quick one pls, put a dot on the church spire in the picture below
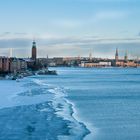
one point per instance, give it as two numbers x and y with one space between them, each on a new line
126 57
117 55
90 56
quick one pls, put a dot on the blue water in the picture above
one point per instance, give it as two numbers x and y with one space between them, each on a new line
106 100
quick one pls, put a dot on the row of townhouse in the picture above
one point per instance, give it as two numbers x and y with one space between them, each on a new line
12 65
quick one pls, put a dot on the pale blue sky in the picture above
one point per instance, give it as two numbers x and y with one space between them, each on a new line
70 27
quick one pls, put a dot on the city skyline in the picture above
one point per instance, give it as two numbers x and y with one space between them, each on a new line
121 54
70 28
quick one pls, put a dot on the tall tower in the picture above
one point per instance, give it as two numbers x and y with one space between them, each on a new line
126 57
34 51
116 56
90 56
11 52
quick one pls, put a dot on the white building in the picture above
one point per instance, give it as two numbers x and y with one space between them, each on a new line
17 65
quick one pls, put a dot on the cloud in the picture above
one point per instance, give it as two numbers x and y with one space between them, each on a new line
5 34
70 46
79 41
84 21
20 33
110 15
14 43
55 40
66 23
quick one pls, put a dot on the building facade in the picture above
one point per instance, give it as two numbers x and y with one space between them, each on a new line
98 64
4 65
17 65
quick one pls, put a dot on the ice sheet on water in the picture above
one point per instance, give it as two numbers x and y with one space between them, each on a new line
38 110
65 110
37 122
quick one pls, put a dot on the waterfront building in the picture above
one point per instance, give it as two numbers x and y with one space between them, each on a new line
105 64
119 63
124 62
130 64
95 64
82 64
23 64
17 65
30 63
4 64
43 62
72 61
34 63
58 61
52 64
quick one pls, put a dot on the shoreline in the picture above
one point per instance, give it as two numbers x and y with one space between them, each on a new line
32 114
65 109
75 116
27 73
21 75
92 131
